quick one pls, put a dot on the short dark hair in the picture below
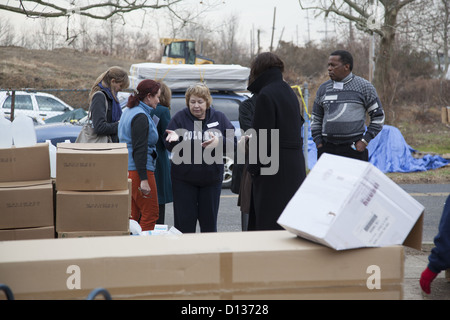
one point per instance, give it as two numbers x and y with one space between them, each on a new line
263 62
346 57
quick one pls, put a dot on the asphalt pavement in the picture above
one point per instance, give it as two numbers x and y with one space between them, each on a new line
432 197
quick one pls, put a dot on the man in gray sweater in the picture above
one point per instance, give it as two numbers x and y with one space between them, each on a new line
340 108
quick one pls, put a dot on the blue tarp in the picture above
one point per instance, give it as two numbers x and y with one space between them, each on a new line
389 152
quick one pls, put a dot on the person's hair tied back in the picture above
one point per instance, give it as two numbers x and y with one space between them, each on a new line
144 88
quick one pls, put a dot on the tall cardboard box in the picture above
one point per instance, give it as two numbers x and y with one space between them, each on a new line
260 265
26 204
25 164
91 166
345 203
92 210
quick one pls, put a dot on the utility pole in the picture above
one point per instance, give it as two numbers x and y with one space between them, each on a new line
307 21
281 36
273 28
259 41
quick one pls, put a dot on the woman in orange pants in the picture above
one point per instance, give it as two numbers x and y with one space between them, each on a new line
144 208
138 130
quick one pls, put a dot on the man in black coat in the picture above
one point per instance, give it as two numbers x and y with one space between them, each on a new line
280 166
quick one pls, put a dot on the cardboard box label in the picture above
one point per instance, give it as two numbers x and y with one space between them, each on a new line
373 225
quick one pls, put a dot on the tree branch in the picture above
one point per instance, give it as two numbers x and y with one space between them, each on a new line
51 10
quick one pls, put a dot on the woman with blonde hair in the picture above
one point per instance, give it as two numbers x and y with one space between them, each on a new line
104 92
197 181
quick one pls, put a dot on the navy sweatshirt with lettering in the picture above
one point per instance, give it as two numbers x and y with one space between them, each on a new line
191 162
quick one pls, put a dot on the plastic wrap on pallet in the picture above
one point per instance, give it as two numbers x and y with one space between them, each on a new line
179 77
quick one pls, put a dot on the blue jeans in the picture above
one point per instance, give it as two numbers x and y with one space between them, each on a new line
192 203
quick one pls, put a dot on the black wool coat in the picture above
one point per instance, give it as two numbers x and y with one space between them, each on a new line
277 107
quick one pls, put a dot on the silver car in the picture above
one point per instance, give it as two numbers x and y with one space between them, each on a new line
37 105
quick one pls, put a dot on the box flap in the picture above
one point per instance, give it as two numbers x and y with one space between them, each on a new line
414 238
21 184
91 146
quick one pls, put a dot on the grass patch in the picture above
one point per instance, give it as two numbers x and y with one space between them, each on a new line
440 176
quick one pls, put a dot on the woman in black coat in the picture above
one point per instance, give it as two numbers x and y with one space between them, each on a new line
280 168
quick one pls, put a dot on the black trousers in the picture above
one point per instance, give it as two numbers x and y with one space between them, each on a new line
193 203
344 150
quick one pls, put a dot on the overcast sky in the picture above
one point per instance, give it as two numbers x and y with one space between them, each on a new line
260 13
291 23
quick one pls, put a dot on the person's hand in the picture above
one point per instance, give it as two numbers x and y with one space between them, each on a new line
360 146
172 136
425 280
212 142
145 189
242 142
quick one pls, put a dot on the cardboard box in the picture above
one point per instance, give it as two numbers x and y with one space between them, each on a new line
232 265
91 166
25 164
26 204
92 211
28 233
345 203
86 234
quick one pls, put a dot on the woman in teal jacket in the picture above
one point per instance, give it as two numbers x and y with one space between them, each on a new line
138 130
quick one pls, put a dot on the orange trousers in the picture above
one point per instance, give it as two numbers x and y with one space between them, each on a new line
144 210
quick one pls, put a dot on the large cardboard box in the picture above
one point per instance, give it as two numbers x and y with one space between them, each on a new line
26 204
92 211
233 265
28 233
25 164
91 166
345 203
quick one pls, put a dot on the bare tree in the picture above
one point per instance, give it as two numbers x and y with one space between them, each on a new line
6 33
374 17
100 9
47 36
427 25
228 41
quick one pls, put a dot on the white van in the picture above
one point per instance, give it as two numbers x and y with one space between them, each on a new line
37 105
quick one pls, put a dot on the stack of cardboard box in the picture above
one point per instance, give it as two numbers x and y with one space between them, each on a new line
92 190
26 193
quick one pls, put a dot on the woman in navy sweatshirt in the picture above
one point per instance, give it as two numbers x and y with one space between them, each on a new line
439 258
198 136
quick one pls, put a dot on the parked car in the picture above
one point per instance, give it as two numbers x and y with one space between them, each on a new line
226 102
37 105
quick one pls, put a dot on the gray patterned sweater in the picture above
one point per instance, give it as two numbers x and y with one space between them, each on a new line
340 109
